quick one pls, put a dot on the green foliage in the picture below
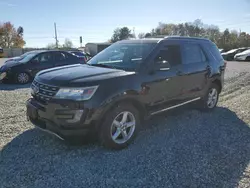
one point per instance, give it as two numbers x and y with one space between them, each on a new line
121 34
226 39
67 44
10 36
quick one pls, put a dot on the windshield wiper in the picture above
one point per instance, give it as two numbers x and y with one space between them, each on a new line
102 65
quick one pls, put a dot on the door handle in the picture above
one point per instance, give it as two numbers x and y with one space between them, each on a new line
179 73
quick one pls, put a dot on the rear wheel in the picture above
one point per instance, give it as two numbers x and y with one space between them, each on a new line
120 127
210 100
22 78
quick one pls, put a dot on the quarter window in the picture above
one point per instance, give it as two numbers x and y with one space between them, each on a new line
59 56
193 54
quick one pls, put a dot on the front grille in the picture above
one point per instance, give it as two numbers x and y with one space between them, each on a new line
43 92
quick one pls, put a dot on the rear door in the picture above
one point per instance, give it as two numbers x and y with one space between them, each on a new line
60 59
194 70
40 62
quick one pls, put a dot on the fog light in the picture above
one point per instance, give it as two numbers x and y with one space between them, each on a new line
77 117
3 75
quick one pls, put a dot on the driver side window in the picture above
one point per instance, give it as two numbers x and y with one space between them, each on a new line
170 54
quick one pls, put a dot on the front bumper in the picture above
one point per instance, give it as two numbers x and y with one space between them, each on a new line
61 119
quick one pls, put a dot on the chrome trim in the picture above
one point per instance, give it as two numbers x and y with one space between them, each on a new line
50 132
47 96
44 89
175 106
164 69
47 84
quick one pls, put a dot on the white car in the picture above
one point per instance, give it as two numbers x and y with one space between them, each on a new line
243 56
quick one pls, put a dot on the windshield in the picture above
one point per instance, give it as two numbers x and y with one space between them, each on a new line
28 57
126 56
233 50
245 51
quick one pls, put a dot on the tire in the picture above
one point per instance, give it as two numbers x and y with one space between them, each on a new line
210 100
248 58
22 78
113 131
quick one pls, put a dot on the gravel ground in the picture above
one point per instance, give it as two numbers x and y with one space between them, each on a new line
183 148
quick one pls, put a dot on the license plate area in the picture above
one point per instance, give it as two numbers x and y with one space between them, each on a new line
32 112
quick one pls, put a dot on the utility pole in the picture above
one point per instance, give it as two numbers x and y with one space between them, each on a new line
56 35
134 32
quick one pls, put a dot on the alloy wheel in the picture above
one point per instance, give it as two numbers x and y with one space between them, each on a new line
123 127
212 98
23 78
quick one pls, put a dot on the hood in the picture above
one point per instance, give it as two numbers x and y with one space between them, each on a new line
11 63
78 75
13 59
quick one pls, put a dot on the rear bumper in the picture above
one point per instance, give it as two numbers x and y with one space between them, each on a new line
64 122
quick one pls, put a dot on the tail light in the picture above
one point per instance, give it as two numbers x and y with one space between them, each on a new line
82 60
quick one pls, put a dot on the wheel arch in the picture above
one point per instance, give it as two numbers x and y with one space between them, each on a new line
128 100
218 83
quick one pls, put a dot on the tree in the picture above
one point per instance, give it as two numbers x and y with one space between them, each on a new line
67 43
10 37
51 46
121 34
141 35
147 35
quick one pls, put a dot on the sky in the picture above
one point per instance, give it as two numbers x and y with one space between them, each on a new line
95 20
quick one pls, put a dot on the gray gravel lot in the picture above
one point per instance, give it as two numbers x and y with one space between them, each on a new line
2 60
182 148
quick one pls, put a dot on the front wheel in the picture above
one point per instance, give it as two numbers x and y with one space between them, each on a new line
22 78
120 127
210 100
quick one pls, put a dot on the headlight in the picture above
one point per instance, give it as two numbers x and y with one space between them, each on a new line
3 68
78 94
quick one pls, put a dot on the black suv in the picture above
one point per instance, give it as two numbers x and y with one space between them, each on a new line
112 96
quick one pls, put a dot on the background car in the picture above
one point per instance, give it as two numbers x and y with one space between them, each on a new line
81 55
24 70
17 58
221 50
229 56
243 56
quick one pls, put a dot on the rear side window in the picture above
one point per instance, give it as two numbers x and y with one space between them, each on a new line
215 52
193 54
59 56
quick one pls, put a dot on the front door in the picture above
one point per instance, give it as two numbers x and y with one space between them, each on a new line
163 88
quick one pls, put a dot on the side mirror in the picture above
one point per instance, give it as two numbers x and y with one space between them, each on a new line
34 61
161 65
